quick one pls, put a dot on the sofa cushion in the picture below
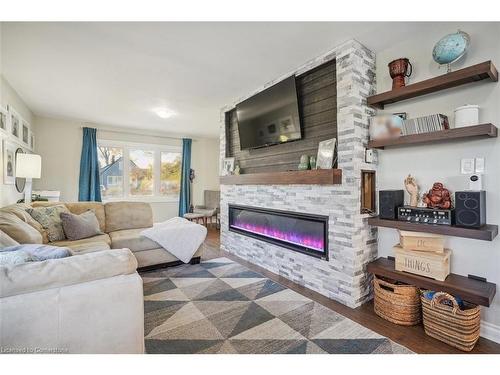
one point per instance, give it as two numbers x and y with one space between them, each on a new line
131 239
18 230
80 207
77 227
127 215
88 247
50 218
57 273
99 238
19 209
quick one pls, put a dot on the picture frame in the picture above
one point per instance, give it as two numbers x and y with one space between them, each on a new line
25 130
9 163
227 166
326 154
385 126
15 123
4 121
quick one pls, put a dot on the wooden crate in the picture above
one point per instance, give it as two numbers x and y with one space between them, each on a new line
433 265
421 241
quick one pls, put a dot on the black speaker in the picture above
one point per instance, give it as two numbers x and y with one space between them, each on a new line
388 203
470 208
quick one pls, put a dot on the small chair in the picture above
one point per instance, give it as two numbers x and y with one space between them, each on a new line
210 207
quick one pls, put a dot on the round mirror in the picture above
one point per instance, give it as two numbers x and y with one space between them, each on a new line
20 181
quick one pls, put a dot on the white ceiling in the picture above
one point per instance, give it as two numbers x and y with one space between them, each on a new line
117 73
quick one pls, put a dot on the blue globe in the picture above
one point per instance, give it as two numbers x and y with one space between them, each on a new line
451 47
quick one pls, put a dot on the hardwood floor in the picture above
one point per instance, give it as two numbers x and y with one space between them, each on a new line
413 338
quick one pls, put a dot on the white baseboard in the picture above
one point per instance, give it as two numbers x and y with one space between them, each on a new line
490 331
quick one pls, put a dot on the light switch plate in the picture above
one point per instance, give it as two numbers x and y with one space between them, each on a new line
467 166
479 165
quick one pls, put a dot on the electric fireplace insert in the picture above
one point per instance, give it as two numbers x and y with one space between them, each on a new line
305 233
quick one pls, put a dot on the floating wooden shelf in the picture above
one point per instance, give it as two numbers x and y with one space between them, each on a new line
472 290
487 232
310 177
478 72
465 133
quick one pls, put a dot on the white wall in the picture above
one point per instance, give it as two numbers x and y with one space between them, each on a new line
441 162
8 96
59 142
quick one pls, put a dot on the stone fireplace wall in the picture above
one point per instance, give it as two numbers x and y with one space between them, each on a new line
352 243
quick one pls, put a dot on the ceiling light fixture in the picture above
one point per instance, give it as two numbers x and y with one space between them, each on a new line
163 112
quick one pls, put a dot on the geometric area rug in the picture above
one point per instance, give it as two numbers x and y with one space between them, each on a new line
219 306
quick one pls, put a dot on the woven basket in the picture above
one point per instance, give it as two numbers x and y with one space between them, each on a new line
450 324
399 304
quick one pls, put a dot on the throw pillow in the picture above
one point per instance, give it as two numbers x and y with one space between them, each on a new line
80 226
6 241
17 229
19 209
50 219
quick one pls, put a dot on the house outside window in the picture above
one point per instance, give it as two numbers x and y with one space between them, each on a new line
135 171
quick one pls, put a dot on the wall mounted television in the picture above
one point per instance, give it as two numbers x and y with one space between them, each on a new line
270 117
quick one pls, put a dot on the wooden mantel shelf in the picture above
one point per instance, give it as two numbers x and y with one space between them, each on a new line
478 72
469 289
309 177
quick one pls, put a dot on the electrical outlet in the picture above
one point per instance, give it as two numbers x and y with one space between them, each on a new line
479 165
369 155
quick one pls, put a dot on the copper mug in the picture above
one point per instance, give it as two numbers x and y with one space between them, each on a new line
398 69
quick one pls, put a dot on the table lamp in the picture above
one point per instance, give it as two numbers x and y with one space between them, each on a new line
28 166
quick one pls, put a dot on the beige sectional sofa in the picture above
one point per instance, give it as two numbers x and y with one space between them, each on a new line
121 223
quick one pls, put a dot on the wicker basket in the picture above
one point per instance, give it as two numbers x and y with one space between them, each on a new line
450 324
399 304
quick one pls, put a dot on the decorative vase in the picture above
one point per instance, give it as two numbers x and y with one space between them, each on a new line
304 163
312 162
398 69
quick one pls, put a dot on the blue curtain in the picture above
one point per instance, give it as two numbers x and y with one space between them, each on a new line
184 198
89 186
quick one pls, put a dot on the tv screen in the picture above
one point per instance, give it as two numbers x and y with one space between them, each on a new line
269 117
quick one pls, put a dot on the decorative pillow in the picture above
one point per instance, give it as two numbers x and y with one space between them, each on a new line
19 209
17 229
80 226
6 241
14 257
50 219
39 252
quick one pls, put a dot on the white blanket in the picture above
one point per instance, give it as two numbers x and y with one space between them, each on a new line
178 236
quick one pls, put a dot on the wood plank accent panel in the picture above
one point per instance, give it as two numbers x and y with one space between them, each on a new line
311 177
463 134
486 233
478 72
471 290
317 98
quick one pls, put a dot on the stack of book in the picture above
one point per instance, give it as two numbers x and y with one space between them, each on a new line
425 124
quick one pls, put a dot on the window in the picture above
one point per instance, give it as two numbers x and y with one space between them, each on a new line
139 171
170 174
110 171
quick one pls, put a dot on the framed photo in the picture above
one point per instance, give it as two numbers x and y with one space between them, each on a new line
15 123
326 154
385 126
227 166
9 163
25 133
4 120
